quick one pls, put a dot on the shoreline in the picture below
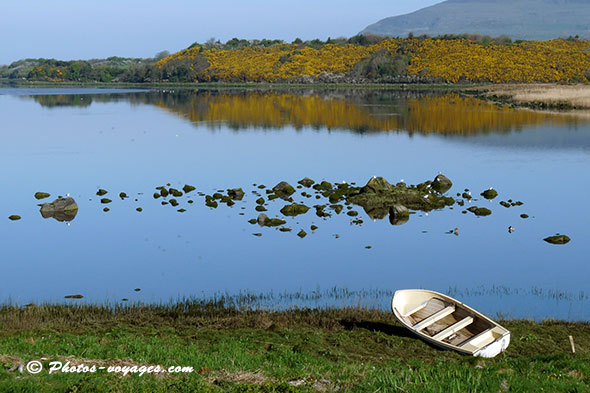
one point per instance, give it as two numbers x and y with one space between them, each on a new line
307 350
536 96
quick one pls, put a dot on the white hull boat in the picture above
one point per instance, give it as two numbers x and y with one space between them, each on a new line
448 323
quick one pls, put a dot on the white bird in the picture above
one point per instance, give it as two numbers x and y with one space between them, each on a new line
402 180
510 229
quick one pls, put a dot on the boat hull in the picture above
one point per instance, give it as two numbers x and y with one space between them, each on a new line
449 324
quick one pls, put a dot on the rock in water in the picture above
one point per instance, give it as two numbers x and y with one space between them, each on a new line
61 209
377 185
41 195
490 194
306 182
294 209
480 211
557 239
236 194
283 189
441 183
398 215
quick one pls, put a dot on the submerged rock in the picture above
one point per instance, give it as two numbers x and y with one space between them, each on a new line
61 209
41 195
441 183
557 239
294 209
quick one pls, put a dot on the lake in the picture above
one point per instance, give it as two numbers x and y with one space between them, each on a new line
77 141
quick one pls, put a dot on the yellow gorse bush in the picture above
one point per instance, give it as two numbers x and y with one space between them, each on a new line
530 61
562 61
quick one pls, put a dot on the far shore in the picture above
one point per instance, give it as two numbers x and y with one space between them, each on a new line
544 96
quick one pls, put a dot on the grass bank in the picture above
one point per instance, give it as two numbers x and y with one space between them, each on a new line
350 349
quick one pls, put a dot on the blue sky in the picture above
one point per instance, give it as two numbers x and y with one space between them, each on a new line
84 29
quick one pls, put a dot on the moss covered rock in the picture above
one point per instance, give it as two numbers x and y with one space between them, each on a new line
41 195
188 188
306 182
480 211
490 193
558 239
14 217
441 183
294 209
101 192
237 194
283 189
61 209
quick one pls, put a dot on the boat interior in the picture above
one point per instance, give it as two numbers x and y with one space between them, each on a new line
451 324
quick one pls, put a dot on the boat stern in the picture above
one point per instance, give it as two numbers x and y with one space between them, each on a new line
494 348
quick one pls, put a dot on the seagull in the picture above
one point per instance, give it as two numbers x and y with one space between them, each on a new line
402 180
510 229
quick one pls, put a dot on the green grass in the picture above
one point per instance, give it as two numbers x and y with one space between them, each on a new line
352 349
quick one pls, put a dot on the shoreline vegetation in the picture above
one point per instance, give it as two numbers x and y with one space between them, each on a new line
363 59
350 349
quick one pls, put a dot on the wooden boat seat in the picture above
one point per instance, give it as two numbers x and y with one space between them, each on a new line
482 339
434 317
453 328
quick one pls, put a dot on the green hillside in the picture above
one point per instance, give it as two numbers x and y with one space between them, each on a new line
519 19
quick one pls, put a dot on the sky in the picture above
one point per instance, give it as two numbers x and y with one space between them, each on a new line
85 29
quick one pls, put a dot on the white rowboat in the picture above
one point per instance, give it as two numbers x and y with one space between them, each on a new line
448 323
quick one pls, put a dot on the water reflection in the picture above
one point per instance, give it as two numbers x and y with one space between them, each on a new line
357 110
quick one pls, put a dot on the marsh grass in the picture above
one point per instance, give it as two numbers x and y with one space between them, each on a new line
355 349
543 95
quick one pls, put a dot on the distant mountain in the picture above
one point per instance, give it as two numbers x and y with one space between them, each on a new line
519 19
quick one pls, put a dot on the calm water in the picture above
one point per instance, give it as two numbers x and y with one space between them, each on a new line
76 141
